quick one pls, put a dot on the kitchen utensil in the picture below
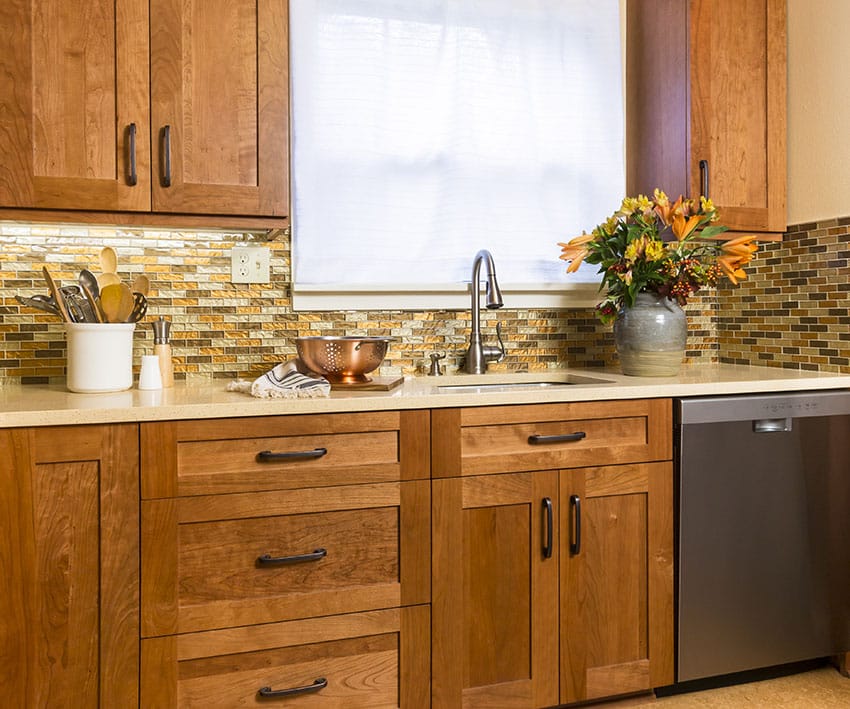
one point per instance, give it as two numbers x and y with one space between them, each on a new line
342 359
108 260
93 300
141 284
57 296
108 279
47 305
117 302
108 267
140 307
89 280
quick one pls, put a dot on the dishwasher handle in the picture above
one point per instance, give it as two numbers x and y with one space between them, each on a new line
772 425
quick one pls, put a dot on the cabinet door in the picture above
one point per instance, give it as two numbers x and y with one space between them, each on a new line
73 93
69 567
494 592
738 110
219 105
712 92
616 580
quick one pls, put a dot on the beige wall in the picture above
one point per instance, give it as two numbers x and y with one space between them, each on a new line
818 110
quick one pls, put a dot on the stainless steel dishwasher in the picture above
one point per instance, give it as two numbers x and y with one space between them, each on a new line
763 530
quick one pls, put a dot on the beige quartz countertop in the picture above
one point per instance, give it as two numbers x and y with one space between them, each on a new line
50 405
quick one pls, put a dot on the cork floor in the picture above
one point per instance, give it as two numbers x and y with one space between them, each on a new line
822 688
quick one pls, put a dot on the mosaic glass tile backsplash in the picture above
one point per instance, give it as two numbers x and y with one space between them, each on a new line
792 311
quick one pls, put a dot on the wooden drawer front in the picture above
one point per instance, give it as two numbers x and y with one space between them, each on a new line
377 659
525 438
210 467
217 561
201 556
186 458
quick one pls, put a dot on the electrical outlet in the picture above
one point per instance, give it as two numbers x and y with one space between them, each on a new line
249 264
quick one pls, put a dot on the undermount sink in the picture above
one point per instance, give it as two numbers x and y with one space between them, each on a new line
568 380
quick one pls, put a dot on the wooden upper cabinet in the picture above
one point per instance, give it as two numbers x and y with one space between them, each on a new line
219 104
706 105
80 83
73 80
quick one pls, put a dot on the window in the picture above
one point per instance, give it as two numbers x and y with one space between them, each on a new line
425 130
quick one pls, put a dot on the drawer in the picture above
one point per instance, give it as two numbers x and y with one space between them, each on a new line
229 560
212 456
377 659
501 439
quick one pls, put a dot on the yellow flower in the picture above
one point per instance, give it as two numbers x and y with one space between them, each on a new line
655 250
634 250
629 206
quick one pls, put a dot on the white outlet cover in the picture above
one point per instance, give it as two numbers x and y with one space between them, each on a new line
250 264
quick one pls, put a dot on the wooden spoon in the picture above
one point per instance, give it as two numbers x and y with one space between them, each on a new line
57 296
116 301
108 260
141 284
108 267
107 279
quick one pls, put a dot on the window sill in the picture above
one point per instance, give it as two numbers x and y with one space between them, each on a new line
553 296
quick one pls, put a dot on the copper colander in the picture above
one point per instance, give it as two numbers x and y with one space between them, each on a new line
345 360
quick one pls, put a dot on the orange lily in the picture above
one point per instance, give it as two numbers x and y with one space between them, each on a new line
682 228
731 268
574 251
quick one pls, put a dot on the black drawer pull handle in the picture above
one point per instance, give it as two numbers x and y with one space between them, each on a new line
703 177
550 528
269 560
575 544
132 177
166 156
269 693
537 440
269 457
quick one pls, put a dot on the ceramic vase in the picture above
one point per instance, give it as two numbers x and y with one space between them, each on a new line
651 336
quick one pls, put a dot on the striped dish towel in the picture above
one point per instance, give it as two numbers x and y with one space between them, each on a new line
284 381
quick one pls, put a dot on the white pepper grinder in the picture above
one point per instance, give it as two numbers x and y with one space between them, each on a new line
162 349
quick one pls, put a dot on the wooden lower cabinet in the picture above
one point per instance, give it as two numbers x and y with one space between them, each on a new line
551 586
286 559
616 556
69 566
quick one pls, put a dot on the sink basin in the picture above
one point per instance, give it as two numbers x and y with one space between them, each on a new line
568 380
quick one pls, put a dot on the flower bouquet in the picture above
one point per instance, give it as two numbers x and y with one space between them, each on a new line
655 246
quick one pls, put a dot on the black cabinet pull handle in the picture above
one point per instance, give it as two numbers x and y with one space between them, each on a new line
269 560
166 156
575 506
132 177
703 177
269 693
550 528
269 457
537 439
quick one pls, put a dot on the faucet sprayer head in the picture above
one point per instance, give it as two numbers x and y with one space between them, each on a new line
494 294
